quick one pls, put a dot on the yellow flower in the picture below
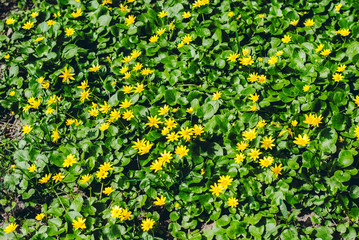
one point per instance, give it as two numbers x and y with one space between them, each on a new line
104 126
245 61
250 134
26 129
153 121
319 48
302 141
10 21
225 181
130 19
189 110
124 8
325 52
147 224
28 25
216 189
85 178
126 59
338 7
116 211
40 216
146 72
7 56
128 115
45 179
254 97
232 57
185 133
156 165
279 53
161 31
337 77
294 22
267 142
344 32
181 151
84 95
66 75
13 167
79 223
187 39
286 39
78 13
162 14
216 95
51 22
127 89
58 177
12 93
135 54
32 168
69 161
277 169
341 68
153 39
230 14
273 60
34 14
239 158
266 161
163 110
108 191
186 15
105 167
39 39
197 129
306 88
261 123
254 153
309 23
10 228
294 123
242 146
160 201
94 68
172 137
101 174
69 31
232 202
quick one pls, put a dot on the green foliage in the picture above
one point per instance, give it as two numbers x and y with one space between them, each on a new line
181 120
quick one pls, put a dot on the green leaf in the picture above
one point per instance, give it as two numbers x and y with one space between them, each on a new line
328 138
69 51
345 159
171 96
354 192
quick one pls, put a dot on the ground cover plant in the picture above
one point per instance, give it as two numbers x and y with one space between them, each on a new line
180 120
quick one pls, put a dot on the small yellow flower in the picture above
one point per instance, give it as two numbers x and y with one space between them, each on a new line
10 228
306 88
28 25
325 52
189 110
58 177
39 39
162 14
147 224
230 14
51 22
94 68
338 7
40 216
69 31
12 93
216 95
160 201
294 22
26 129
153 39
79 223
186 15
286 39
130 19
32 168
10 21
273 60
309 23
7 56
108 191
187 39
34 14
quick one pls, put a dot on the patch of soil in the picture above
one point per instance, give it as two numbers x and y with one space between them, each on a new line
10 127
